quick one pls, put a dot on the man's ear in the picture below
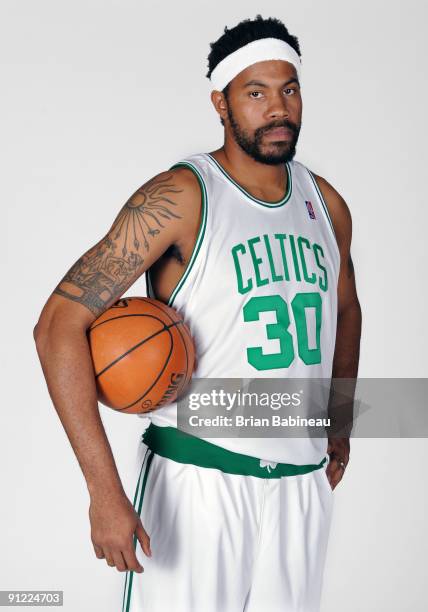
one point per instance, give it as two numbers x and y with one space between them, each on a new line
220 103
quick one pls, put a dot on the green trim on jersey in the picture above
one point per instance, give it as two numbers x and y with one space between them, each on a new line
324 205
182 447
200 236
138 503
280 202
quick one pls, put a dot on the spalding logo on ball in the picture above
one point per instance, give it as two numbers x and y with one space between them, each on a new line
143 355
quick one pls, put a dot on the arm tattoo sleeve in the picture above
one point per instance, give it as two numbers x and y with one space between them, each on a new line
104 272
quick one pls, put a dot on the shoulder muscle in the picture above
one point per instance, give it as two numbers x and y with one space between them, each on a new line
154 217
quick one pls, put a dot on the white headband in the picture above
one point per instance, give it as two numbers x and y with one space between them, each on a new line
256 51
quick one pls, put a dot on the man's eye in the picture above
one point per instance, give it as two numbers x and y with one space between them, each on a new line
254 92
290 89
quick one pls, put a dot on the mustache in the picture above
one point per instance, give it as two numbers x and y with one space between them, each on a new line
285 124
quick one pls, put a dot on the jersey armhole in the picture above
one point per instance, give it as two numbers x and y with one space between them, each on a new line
149 288
199 238
323 205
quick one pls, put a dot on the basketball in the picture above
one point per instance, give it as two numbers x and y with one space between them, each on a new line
143 355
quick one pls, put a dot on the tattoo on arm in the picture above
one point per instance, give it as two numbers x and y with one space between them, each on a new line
350 267
105 271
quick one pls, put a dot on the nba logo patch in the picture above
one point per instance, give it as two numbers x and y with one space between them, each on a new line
310 209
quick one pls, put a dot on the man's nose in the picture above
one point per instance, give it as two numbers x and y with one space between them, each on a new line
278 107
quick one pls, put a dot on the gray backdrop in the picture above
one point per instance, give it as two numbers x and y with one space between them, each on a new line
96 98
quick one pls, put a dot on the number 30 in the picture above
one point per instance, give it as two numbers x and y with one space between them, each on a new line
279 330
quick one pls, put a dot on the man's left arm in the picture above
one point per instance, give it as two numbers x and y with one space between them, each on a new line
347 348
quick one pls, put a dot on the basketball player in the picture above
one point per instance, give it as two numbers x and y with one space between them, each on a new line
224 237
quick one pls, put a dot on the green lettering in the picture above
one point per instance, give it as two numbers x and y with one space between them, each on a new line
281 238
241 288
300 241
295 260
256 262
323 283
275 276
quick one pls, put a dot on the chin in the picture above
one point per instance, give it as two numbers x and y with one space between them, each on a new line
276 157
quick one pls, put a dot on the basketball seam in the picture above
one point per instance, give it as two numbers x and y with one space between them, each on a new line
133 348
187 377
135 314
154 382
165 328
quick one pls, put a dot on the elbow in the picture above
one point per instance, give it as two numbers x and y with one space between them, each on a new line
56 326
40 329
40 337
36 332
44 329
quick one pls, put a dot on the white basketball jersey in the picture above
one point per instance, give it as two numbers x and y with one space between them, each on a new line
259 293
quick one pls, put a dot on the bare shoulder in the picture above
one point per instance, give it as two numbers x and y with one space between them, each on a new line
157 215
190 201
160 212
186 180
177 185
338 210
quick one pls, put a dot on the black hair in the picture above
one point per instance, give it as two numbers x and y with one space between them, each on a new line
243 33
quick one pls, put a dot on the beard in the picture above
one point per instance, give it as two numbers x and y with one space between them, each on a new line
283 150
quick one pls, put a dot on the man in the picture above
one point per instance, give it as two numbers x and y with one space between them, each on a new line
224 237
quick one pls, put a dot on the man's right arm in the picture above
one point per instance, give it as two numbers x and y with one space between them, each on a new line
156 216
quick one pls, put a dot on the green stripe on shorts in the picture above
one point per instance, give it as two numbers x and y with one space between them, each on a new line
138 503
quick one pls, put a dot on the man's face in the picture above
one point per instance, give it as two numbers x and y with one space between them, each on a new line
261 98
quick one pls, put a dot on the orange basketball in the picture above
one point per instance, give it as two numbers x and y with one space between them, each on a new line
143 355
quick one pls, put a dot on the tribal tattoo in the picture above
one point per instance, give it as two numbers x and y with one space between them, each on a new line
106 270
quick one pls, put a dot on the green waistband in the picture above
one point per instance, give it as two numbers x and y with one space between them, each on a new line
179 446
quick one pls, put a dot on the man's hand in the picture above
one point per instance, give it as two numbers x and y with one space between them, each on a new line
338 449
113 524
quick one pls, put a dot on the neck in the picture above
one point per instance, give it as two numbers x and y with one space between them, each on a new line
255 176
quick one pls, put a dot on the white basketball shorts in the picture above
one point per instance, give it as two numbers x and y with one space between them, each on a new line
228 542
